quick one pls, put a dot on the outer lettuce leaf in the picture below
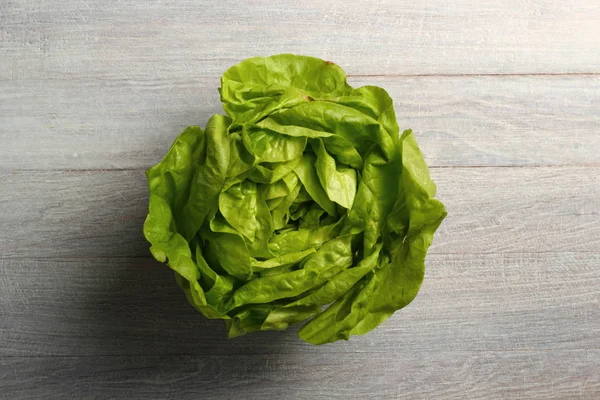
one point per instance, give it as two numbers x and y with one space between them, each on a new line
257 87
303 204
396 283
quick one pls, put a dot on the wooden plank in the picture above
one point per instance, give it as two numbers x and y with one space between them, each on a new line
402 373
173 39
514 210
470 121
492 210
470 303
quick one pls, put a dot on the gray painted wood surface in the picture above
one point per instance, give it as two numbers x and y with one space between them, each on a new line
459 121
504 98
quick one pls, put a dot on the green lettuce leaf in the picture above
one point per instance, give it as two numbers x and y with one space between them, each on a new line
303 205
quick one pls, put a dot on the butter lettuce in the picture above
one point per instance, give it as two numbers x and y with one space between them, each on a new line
304 204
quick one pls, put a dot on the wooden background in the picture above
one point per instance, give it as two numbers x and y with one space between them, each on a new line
504 97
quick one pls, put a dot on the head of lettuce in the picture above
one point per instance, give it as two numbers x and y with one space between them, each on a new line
303 205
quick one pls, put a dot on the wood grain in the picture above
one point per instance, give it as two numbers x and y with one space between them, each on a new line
504 98
492 210
473 121
491 302
136 40
402 373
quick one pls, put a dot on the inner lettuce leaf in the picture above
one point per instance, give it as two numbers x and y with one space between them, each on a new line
304 204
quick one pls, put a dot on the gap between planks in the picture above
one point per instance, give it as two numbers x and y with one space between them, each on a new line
149 258
226 354
417 75
477 75
142 169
